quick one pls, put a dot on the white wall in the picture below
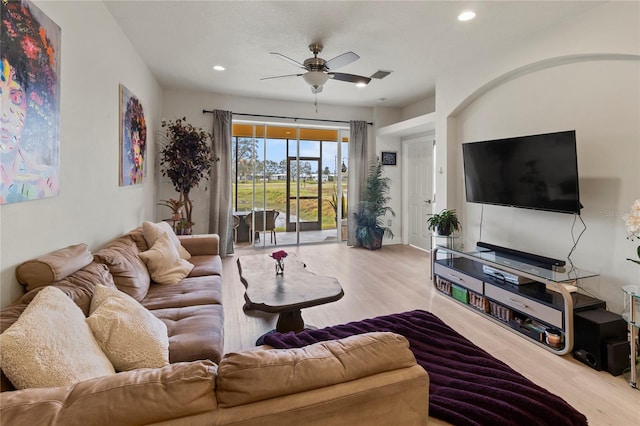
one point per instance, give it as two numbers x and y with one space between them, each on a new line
571 77
91 207
177 104
425 106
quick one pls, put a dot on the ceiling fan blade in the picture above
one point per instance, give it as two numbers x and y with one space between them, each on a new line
341 60
288 59
281 76
351 78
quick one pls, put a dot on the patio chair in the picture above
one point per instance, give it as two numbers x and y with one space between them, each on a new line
236 224
269 224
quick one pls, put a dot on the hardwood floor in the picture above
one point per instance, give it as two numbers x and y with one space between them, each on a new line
395 279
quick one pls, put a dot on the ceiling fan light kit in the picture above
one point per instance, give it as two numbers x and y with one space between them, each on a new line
315 78
320 70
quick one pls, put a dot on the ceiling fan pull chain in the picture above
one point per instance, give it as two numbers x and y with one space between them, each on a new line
315 102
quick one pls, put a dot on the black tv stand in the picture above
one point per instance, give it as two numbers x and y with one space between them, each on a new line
544 305
540 261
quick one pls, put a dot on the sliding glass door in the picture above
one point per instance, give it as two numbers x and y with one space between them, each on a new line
289 183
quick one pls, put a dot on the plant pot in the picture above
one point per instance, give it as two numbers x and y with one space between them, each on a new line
176 216
375 242
444 231
343 229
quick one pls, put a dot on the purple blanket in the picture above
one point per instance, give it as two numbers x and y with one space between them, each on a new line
467 385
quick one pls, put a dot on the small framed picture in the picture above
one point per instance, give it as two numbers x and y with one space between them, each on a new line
388 158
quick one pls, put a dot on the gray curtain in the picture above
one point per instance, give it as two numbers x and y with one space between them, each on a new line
220 213
358 167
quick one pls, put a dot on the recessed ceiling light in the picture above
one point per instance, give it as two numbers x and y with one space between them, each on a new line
467 15
218 68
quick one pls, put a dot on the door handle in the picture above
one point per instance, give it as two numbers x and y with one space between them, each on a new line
427 201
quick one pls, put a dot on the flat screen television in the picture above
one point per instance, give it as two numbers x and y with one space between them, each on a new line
534 172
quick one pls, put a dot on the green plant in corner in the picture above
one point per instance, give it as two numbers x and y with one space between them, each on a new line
174 205
369 218
186 159
444 223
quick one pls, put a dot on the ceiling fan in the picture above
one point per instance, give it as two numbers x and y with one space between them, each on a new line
318 70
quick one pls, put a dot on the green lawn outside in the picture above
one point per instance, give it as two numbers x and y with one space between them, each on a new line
276 199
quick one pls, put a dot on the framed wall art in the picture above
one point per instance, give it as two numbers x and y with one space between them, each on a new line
30 78
133 139
388 158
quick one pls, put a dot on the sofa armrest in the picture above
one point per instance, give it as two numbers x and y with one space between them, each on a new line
129 398
260 373
199 245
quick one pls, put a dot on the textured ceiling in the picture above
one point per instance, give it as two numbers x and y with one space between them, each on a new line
418 40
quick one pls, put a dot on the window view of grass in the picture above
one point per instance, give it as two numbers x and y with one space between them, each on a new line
276 198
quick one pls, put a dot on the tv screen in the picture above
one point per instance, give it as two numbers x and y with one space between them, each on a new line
535 172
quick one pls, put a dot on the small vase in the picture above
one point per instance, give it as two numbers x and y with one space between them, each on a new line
279 267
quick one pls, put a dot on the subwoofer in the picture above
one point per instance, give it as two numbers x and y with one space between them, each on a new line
593 329
618 356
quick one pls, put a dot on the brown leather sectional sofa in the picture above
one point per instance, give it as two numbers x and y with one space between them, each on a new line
368 379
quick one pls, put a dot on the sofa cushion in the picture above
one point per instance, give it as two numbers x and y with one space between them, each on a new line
259 374
147 396
53 266
164 262
153 231
190 292
205 265
195 332
129 271
201 244
127 333
51 345
79 286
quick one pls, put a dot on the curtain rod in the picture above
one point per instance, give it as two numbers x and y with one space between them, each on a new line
204 111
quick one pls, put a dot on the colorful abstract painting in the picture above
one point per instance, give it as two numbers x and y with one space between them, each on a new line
133 139
29 103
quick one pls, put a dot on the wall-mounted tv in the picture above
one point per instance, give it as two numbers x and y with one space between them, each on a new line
534 172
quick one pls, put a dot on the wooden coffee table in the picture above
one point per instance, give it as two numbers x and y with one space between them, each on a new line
284 294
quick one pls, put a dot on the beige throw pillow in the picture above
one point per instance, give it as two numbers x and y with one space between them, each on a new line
51 345
152 231
130 335
164 263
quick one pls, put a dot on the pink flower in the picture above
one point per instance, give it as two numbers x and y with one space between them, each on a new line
279 255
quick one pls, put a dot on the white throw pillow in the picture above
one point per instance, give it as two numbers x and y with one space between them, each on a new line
51 345
153 231
164 263
130 335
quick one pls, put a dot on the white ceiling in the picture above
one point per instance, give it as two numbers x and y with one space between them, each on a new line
418 40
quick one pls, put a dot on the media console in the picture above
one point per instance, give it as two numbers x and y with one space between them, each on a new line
541 310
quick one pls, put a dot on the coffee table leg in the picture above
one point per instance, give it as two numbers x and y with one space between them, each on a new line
290 321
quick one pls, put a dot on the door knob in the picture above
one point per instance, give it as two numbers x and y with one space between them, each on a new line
427 201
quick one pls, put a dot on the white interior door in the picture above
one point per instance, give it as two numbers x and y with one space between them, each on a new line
420 191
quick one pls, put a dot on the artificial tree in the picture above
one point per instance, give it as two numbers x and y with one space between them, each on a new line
186 159
369 218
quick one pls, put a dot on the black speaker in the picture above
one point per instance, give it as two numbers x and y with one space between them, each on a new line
592 330
618 356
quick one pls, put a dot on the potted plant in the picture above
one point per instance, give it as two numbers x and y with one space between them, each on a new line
186 159
175 206
369 223
444 223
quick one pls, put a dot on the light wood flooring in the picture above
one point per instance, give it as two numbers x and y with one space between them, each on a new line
396 279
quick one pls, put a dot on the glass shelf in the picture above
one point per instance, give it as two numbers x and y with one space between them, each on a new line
557 274
630 314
